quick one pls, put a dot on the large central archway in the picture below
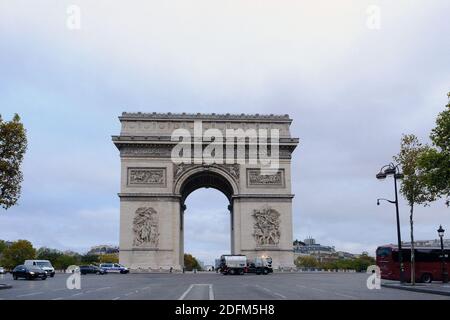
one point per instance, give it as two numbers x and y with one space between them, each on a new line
198 178
154 189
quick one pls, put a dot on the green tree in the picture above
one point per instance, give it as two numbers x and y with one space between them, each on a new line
190 262
435 162
110 257
2 246
13 144
65 260
89 259
413 188
306 262
363 262
17 253
45 253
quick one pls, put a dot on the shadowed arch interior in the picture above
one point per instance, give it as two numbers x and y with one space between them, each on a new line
206 179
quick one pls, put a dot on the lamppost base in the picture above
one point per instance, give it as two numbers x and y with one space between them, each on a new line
445 277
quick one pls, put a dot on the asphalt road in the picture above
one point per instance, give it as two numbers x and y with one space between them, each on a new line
206 286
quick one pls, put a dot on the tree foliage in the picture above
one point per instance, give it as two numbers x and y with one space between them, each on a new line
413 187
65 260
90 259
190 262
108 258
45 253
13 144
2 246
359 264
307 262
17 253
435 162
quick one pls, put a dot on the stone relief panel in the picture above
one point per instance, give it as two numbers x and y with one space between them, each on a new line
232 169
266 227
145 227
257 178
147 177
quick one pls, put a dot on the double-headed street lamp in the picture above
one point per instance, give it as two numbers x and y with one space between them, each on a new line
444 268
393 170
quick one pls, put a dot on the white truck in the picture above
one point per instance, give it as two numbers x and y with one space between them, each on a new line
43 264
233 264
260 265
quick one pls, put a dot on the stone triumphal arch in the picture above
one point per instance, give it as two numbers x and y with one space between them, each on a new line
154 187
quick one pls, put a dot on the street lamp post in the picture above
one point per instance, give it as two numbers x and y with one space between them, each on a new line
393 170
444 269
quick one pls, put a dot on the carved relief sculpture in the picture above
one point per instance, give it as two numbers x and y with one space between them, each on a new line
145 227
142 176
266 227
232 169
256 178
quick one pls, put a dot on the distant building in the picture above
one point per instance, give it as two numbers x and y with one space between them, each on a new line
428 243
208 267
310 241
104 249
309 247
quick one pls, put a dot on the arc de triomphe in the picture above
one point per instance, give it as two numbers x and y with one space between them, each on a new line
154 188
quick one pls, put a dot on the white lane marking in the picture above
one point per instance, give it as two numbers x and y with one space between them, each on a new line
60 289
211 292
59 298
116 298
186 292
28 294
128 294
335 293
345 295
280 295
77 294
104 288
271 292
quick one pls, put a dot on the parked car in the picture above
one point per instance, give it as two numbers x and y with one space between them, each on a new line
43 264
2 270
92 269
114 267
28 272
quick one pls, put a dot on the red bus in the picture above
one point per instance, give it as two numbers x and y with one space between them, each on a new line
428 263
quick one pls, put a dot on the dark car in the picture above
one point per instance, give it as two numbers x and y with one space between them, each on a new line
28 272
92 269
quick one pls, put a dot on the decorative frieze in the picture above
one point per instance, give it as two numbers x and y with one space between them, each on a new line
150 151
232 169
256 177
147 177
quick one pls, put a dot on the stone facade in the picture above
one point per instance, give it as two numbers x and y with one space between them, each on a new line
153 190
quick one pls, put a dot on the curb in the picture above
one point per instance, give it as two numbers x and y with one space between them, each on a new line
416 289
5 286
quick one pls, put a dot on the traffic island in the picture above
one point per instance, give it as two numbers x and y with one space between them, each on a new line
5 286
433 288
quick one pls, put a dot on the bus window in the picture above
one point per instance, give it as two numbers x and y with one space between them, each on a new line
384 252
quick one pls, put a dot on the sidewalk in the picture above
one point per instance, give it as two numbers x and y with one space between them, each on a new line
433 288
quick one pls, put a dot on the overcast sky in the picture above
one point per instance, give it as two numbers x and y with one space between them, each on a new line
350 89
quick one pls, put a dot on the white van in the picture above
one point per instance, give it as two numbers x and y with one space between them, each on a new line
43 264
